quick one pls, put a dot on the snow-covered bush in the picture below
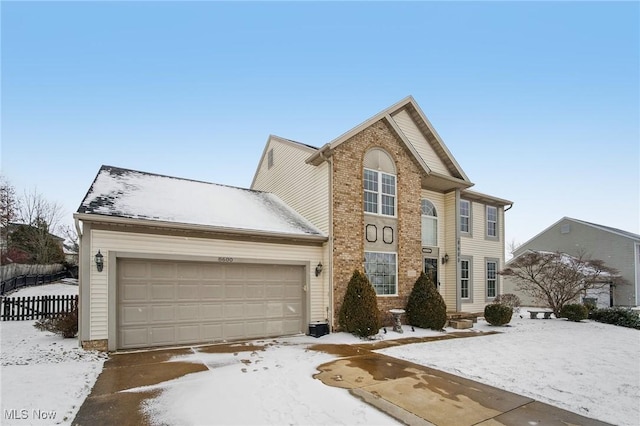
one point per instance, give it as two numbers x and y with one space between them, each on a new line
359 313
426 307
574 312
497 314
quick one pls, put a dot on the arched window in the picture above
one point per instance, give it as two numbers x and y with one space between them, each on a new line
429 224
379 183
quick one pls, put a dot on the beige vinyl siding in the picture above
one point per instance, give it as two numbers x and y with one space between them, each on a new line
480 250
419 142
449 284
187 248
304 187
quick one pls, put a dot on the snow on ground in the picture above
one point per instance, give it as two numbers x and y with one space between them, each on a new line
270 387
589 368
44 378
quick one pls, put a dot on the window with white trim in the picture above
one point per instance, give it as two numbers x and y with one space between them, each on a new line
379 193
382 270
492 279
492 222
465 216
465 279
429 223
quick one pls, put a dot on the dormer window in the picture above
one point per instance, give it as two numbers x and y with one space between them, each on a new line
379 183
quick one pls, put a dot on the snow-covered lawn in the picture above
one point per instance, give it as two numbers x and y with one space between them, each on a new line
588 368
44 377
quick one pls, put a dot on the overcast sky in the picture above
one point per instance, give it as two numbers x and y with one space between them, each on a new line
539 102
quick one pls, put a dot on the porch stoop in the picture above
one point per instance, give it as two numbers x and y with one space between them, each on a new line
462 320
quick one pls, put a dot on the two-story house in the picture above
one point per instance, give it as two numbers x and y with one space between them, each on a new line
393 202
168 261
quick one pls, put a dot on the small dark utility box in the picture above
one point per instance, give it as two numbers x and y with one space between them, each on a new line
318 329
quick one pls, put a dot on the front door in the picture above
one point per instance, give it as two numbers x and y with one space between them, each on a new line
430 266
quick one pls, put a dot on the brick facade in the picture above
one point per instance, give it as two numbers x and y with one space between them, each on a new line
349 218
95 345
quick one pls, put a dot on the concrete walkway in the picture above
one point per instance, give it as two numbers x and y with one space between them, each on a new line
411 393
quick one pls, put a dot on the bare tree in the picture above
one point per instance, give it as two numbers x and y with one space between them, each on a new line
8 212
38 220
557 278
34 209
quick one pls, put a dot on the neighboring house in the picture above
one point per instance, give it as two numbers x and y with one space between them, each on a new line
617 248
194 262
393 202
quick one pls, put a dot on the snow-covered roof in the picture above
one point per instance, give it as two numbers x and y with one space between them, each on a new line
132 194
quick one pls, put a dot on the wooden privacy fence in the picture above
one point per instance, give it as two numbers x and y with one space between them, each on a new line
29 280
36 307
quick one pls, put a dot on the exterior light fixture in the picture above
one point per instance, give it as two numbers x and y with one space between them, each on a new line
445 259
99 261
318 268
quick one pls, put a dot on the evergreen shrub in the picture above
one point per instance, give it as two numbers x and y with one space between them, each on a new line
574 312
359 311
425 307
617 316
497 314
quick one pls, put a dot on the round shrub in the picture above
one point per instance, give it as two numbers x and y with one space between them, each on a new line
574 312
359 311
425 307
497 314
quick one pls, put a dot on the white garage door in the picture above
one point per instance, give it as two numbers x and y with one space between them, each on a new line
167 303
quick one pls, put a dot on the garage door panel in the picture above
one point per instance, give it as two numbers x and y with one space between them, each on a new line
255 310
134 314
162 313
234 290
163 291
255 291
171 302
233 310
133 269
212 290
135 292
134 337
188 313
188 291
162 270
211 312
188 270
162 335
187 333
292 309
211 332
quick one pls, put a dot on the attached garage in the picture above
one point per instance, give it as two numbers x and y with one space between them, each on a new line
183 262
168 303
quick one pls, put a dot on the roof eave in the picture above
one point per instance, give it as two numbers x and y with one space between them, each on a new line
118 220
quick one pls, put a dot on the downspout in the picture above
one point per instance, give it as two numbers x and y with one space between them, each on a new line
330 163
458 253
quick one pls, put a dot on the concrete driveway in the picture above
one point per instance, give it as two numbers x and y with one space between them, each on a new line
411 393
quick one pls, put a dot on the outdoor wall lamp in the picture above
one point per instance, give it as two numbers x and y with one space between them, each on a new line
445 259
99 261
318 268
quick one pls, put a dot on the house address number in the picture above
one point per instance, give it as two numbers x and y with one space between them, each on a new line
225 259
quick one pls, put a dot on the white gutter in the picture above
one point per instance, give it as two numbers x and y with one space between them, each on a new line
97 218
